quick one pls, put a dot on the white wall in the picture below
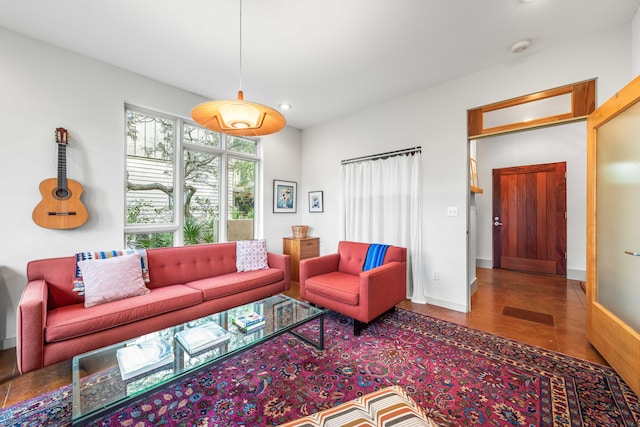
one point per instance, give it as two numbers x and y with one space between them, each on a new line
635 41
563 143
281 157
44 87
436 119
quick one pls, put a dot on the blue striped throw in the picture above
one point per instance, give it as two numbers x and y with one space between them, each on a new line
375 256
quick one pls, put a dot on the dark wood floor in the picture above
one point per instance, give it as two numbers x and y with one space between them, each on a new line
545 311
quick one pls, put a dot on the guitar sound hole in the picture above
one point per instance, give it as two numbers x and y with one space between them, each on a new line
61 193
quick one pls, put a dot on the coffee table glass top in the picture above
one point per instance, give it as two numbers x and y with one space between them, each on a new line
106 378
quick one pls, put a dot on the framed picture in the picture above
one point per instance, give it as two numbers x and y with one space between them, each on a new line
473 172
285 196
316 204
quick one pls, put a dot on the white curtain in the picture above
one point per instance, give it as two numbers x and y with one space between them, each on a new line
381 204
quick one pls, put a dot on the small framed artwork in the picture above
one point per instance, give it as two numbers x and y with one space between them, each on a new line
284 196
316 204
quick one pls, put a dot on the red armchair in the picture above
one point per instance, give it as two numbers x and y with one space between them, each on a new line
337 282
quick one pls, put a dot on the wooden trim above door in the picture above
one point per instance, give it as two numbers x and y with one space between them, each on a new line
583 102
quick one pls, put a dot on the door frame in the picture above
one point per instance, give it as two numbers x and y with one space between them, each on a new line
583 103
616 341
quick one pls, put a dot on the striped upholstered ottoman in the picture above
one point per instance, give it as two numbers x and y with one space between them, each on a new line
387 407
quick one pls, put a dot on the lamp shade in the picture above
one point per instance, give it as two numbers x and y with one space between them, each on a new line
238 117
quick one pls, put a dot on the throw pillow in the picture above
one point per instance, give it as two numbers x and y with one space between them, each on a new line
112 279
251 255
78 284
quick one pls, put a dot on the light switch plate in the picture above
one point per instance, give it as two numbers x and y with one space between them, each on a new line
452 211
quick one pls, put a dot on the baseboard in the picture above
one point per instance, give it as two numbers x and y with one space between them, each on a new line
473 287
580 275
447 304
9 343
572 274
484 263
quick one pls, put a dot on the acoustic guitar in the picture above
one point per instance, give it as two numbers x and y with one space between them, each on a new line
60 207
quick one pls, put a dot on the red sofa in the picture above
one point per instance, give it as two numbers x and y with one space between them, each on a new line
186 283
338 282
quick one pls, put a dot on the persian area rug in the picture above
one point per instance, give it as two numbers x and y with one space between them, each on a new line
460 376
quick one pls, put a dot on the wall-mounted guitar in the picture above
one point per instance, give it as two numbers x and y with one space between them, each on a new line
60 207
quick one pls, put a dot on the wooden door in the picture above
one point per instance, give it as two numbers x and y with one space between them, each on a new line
529 218
613 232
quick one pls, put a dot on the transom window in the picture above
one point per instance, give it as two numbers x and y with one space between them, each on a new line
186 184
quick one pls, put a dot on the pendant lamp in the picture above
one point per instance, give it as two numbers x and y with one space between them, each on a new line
236 116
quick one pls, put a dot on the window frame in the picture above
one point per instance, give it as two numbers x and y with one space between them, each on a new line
180 147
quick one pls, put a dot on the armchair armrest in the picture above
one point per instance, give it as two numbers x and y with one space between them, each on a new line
379 287
32 319
282 262
316 266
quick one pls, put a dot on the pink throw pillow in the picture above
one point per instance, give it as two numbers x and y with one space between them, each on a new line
251 255
112 279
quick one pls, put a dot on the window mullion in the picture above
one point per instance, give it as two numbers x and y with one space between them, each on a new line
224 195
178 184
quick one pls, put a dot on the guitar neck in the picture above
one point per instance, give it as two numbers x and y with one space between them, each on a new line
62 166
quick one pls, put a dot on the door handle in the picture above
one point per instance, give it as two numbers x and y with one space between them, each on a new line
632 253
497 223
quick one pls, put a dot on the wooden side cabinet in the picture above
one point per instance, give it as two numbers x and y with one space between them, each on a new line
300 249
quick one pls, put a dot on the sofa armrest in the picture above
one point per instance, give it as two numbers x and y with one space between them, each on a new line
32 319
316 266
380 286
282 262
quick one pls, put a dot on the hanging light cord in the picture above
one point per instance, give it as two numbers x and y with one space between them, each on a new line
241 45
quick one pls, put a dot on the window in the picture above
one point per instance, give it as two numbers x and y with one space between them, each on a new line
560 105
240 191
175 186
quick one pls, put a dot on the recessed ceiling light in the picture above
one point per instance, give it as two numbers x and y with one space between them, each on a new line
285 107
519 46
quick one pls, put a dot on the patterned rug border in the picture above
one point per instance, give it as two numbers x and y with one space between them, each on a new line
620 389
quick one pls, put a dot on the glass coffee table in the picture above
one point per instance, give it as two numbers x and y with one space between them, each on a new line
107 378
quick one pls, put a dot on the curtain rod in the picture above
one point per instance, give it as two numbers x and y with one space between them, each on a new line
411 150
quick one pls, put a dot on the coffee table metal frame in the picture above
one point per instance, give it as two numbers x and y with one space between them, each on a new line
90 370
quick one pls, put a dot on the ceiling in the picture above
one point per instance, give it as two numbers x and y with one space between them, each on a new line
327 58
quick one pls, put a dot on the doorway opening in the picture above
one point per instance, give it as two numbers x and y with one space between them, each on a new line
539 141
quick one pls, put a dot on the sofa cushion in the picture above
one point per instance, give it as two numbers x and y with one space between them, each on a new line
111 279
338 286
352 256
251 255
235 283
75 320
185 264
